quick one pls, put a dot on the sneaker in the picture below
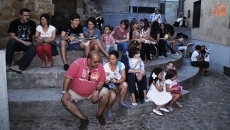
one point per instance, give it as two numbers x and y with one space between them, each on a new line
16 69
125 105
168 53
146 100
161 57
66 67
164 109
84 123
101 120
157 112
177 53
170 108
110 116
134 104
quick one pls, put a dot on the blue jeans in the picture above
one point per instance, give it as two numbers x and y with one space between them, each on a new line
123 46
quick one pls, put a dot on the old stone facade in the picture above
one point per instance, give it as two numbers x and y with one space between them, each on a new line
10 10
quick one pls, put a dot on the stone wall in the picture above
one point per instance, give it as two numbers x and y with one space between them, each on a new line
10 10
212 28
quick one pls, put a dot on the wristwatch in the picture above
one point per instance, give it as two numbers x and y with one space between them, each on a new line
63 92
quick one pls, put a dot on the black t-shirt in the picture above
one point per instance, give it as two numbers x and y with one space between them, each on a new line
68 29
154 33
24 31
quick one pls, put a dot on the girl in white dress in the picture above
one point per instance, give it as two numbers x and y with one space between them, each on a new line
157 92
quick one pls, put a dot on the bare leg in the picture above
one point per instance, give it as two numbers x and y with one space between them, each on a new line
145 96
98 47
72 107
158 107
63 51
174 99
133 100
122 90
112 99
103 102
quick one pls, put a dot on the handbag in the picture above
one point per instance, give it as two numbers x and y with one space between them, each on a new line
179 91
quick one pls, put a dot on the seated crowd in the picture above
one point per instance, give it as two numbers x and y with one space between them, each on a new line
102 83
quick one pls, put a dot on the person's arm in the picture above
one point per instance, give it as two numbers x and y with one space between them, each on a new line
123 76
27 43
159 86
52 38
66 84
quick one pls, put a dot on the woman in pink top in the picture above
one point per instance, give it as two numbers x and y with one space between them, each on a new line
121 35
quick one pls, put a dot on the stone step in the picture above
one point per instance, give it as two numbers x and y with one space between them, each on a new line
36 77
45 102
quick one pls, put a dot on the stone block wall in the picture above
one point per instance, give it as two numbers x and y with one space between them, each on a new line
9 10
214 29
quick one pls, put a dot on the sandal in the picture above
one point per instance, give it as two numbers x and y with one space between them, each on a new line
179 104
43 65
50 64
110 115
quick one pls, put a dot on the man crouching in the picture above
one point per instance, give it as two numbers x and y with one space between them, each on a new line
84 80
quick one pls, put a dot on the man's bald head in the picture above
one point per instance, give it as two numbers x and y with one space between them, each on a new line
93 54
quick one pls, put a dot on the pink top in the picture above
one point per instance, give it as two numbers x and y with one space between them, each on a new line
78 72
107 39
119 35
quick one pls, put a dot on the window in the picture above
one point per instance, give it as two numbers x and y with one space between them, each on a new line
135 9
196 14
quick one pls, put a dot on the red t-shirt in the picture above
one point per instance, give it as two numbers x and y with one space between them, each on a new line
78 72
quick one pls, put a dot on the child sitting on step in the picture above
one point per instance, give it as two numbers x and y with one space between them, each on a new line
135 61
108 40
173 87
157 92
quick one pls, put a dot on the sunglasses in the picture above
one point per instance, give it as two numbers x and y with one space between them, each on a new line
89 75
95 62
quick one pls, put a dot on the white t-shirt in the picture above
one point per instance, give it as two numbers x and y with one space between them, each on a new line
45 34
113 74
170 82
194 55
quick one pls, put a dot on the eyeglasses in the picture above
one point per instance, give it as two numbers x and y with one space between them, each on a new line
95 62
89 75
26 15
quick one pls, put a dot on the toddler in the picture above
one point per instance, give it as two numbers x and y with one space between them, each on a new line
108 40
135 61
172 87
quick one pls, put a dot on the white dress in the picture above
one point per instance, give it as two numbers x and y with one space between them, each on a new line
159 98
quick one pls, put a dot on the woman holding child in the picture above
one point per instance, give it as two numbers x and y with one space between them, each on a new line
94 35
115 81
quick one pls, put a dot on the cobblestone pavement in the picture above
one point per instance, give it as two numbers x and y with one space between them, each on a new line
206 108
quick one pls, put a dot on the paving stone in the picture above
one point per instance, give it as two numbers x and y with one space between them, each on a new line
206 108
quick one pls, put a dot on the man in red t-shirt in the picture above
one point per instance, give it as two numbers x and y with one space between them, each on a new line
84 80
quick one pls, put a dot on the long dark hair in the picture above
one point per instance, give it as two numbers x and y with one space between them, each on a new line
156 71
146 23
170 74
154 28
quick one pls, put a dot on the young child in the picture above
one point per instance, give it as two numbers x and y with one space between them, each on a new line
157 92
135 61
170 81
108 40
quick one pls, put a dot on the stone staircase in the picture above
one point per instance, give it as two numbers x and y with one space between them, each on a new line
36 93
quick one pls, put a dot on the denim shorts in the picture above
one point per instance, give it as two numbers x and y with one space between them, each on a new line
75 46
